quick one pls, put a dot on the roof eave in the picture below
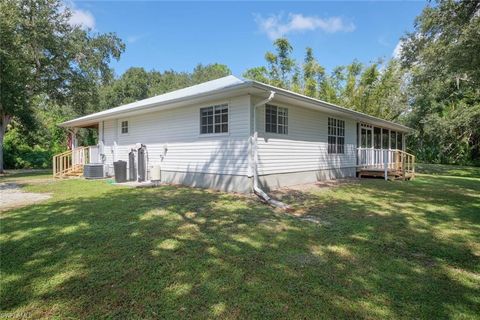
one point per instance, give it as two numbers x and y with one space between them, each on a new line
349 112
92 118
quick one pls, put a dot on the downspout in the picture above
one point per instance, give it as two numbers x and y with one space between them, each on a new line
256 189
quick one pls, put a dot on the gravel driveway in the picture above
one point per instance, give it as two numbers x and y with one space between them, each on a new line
11 196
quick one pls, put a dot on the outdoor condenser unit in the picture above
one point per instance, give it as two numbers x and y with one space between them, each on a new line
93 171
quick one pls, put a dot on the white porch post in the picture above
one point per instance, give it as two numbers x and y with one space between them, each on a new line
385 164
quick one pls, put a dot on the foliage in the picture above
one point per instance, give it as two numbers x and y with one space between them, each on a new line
136 83
443 61
34 147
43 55
375 89
361 250
48 139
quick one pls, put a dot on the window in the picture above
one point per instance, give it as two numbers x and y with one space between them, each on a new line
377 138
336 136
393 140
124 126
385 139
214 119
399 141
276 119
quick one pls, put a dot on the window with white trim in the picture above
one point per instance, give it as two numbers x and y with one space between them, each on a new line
336 135
124 127
276 119
214 119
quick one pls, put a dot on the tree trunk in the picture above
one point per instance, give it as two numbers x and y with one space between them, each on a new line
5 120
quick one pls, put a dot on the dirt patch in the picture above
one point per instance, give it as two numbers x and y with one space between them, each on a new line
304 199
11 196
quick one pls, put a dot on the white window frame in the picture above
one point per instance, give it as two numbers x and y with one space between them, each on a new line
121 127
213 133
285 125
336 128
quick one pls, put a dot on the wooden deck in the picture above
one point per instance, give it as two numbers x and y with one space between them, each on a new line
392 174
390 164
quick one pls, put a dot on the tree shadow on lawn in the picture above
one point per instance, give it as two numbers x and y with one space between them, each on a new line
175 252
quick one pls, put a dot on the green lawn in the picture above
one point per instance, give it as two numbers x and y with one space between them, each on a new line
381 250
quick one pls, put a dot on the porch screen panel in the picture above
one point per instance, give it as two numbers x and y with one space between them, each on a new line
377 138
393 138
399 141
385 138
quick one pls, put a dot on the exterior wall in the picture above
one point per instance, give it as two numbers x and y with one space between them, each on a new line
304 148
174 142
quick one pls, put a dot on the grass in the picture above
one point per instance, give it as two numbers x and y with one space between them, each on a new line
381 250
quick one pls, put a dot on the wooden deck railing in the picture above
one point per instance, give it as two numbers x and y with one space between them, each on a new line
70 161
388 160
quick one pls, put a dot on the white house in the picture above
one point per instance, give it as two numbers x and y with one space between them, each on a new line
232 134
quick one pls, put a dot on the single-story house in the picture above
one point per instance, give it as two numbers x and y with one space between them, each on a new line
235 135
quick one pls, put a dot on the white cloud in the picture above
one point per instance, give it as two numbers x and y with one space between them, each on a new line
275 26
398 50
81 18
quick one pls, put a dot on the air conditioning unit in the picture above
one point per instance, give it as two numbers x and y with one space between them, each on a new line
93 171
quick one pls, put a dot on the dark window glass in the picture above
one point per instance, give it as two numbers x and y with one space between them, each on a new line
336 136
124 126
399 141
214 119
276 119
385 144
393 140
377 138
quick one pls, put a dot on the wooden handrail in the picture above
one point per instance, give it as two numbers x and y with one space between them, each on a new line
395 160
69 161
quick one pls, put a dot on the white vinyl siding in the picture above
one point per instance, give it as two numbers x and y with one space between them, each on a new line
177 131
305 148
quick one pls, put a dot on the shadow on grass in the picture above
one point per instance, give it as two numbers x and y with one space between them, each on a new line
448 170
179 252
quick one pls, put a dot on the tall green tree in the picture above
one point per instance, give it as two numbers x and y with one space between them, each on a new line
42 54
313 74
376 89
137 83
280 64
443 61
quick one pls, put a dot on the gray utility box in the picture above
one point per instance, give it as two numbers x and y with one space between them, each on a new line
93 171
120 171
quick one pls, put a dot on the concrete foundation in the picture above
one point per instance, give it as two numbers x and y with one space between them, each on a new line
243 184
275 181
223 182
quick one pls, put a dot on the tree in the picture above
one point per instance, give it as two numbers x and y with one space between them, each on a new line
137 84
42 54
258 74
280 65
443 64
313 74
203 73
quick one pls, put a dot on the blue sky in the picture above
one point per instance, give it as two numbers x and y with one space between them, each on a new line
178 35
